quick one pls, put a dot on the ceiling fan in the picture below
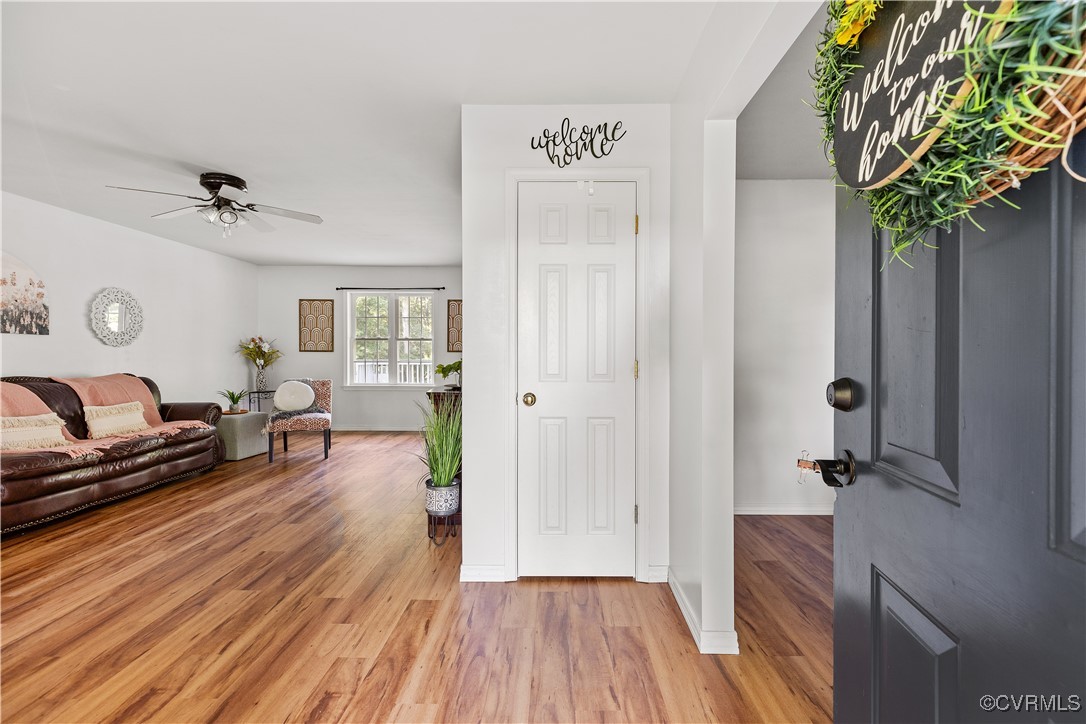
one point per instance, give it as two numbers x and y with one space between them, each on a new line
226 206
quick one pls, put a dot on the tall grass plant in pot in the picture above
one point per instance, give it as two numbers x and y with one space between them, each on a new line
442 434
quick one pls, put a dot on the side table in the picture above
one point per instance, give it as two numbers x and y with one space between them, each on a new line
241 435
259 396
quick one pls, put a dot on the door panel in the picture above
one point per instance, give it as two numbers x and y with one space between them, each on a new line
958 552
916 320
576 302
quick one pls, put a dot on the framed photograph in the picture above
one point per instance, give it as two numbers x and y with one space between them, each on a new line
316 325
456 325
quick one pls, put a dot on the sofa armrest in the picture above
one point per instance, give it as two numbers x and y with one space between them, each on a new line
207 412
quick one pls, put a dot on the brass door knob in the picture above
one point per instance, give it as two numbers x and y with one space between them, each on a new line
529 399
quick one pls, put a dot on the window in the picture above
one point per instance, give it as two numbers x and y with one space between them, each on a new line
392 338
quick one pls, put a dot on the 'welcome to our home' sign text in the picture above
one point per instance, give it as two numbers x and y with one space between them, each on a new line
910 69
569 143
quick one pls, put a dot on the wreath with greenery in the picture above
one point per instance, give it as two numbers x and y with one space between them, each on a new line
1028 98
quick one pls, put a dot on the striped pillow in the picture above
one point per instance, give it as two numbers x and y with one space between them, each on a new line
110 420
29 432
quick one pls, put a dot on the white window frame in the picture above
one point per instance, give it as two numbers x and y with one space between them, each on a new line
349 297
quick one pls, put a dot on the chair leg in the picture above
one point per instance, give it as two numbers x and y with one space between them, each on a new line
327 442
271 446
284 440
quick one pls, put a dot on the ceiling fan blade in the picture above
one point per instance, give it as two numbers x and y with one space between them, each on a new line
311 218
177 212
255 221
227 191
163 193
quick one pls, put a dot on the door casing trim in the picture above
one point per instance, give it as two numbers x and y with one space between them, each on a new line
640 177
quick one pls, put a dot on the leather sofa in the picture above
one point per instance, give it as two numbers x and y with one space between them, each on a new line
42 485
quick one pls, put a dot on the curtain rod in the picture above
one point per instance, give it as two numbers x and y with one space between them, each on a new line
390 289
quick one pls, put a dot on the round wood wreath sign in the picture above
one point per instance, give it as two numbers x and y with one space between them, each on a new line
930 108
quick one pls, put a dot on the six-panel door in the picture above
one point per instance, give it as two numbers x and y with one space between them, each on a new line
576 323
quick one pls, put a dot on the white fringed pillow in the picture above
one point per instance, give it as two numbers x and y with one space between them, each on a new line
110 420
293 395
29 432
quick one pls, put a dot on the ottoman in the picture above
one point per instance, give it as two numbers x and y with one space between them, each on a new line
241 435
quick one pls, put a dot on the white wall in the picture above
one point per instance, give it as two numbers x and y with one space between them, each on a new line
784 267
703 306
496 138
371 408
196 304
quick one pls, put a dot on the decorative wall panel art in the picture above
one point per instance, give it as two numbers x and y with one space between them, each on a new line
316 325
456 325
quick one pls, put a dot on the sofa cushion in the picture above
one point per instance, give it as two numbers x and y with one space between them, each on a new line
61 400
108 420
127 447
16 465
28 432
16 490
187 434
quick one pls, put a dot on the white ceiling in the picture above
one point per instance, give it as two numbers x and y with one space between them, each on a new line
347 110
778 136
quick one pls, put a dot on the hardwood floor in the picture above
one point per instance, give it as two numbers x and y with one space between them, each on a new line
307 590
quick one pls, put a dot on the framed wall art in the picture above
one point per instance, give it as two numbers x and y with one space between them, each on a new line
24 304
316 325
456 325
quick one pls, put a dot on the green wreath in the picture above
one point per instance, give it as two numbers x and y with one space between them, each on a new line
1006 116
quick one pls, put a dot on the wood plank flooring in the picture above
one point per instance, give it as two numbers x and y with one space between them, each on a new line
307 590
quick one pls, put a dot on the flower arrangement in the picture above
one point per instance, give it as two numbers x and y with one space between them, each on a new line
855 17
1027 90
258 351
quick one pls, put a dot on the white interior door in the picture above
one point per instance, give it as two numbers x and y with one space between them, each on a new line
576 346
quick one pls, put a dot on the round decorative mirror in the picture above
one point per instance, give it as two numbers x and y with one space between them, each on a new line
116 317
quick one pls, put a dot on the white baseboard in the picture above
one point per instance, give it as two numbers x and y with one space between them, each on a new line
657 574
784 509
373 428
709 642
469 574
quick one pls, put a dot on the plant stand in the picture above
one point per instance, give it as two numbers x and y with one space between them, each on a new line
449 524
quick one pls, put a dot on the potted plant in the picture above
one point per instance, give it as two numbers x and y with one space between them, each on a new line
234 397
262 354
451 368
442 439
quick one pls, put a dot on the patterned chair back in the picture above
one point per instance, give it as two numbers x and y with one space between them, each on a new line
322 391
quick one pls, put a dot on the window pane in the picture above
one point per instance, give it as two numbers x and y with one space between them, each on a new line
407 318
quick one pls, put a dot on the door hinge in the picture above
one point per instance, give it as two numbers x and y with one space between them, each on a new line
637 224
635 515
637 370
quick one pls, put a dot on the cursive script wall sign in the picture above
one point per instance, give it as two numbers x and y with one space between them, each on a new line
570 142
910 70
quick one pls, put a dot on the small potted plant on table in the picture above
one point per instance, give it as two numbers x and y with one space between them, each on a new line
446 370
234 397
442 438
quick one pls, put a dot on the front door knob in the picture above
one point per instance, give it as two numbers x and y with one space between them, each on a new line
830 469
529 399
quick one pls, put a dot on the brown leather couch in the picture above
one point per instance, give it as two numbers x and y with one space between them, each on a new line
40 486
